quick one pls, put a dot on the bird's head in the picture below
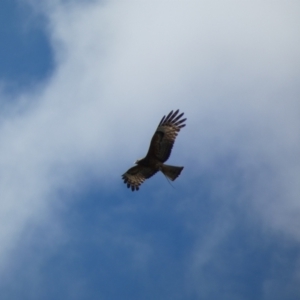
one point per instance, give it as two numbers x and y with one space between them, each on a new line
137 161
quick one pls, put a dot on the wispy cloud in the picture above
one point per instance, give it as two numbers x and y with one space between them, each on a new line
233 70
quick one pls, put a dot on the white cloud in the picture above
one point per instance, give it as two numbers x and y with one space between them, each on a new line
233 69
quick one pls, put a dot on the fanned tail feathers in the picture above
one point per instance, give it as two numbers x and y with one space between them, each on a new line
171 172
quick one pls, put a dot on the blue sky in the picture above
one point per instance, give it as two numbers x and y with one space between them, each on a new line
83 85
25 52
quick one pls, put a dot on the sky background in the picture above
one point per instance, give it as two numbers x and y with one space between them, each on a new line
83 85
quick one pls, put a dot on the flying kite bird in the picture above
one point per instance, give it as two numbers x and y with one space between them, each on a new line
159 151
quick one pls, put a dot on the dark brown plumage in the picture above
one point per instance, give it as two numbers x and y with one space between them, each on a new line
159 151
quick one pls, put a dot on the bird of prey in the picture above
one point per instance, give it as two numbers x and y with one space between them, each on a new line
159 151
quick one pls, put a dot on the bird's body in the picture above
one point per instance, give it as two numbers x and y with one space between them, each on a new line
159 151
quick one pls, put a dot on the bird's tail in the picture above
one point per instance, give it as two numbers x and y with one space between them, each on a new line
171 172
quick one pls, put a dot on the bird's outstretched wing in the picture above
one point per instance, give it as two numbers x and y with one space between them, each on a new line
136 175
164 137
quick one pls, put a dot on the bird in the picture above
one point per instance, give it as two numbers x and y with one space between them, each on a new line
159 151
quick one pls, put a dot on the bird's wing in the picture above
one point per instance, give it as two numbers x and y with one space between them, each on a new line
136 175
164 137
